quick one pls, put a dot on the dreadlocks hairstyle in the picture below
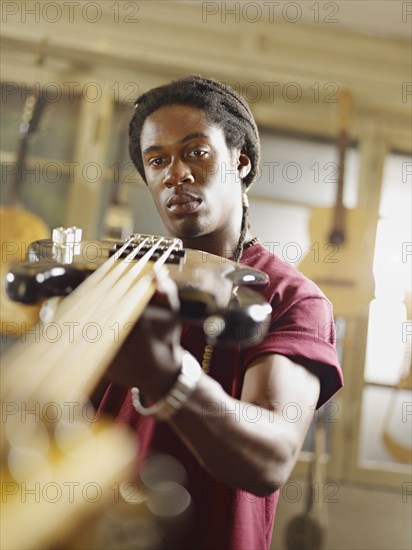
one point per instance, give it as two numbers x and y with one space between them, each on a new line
222 106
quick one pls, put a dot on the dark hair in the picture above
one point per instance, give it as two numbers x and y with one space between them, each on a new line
222 106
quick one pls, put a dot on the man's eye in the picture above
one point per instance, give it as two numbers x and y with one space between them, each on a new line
156 161
198 153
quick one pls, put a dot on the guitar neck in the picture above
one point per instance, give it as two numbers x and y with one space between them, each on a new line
337 234
116 294
339 213
32 114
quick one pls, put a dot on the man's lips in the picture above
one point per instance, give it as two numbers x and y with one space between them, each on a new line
184 203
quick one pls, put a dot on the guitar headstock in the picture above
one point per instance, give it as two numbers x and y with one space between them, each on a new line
32 113
345 106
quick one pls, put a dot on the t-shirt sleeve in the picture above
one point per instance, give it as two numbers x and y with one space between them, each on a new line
305 333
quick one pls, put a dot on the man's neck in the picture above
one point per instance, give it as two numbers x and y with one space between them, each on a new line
220 247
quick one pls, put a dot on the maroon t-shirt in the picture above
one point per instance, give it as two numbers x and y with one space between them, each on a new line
301 328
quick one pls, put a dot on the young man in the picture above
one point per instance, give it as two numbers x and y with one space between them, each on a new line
196 145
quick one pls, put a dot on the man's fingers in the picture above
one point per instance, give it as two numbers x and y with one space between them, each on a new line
167 294
157 312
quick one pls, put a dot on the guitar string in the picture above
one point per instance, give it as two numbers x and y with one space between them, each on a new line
101 312
124 298
72 301
41 355
208 351
128 309
93 303
81 376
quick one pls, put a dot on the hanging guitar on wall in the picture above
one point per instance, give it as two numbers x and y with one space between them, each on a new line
339 255
19 227
118 218
307 531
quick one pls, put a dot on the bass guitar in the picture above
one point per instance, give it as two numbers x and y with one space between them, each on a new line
53 369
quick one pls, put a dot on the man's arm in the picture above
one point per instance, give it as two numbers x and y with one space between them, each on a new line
253 443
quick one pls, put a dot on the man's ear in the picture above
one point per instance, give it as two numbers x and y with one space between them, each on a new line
244 165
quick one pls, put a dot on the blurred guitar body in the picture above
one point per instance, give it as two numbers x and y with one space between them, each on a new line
19 227
340 270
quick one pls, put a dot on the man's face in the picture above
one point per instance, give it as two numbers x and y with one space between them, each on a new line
191 173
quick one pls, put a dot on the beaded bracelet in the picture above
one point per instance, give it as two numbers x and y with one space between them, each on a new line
177 396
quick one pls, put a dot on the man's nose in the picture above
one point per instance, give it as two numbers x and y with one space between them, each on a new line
178 173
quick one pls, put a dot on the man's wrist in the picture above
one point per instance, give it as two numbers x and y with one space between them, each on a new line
178 394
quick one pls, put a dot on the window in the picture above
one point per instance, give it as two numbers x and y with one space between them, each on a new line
138 210
386 421
296 175
46 170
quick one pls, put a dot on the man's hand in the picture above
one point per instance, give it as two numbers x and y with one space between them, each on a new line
151 357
